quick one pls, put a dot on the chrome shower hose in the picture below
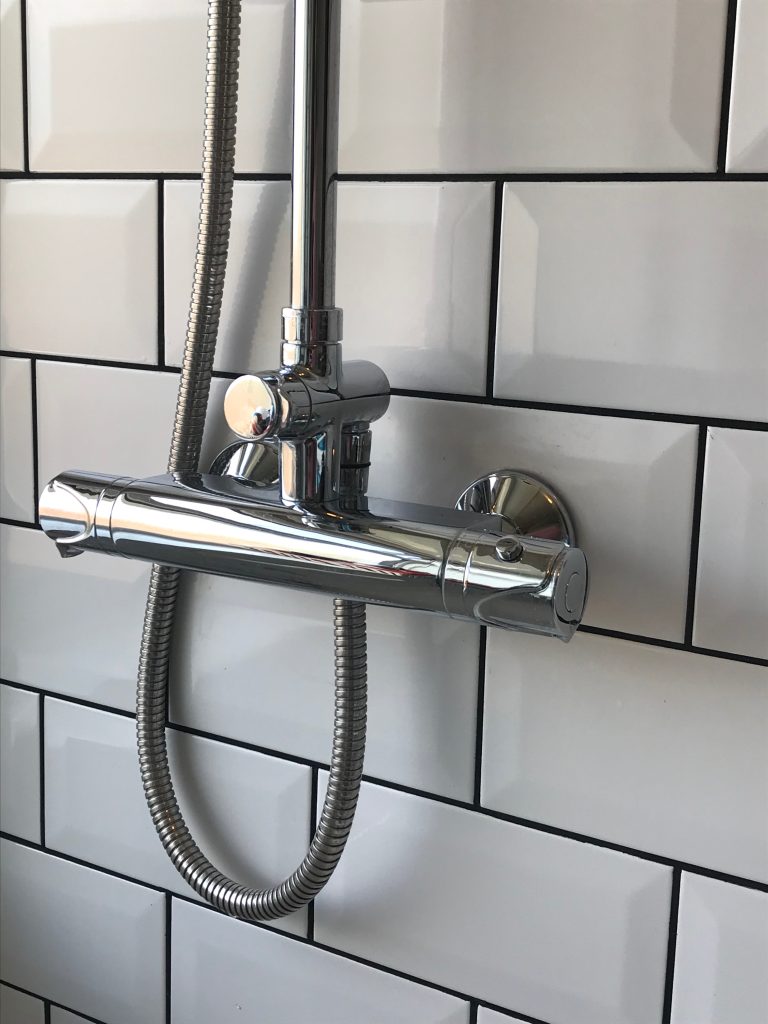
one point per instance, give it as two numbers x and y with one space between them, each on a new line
346 765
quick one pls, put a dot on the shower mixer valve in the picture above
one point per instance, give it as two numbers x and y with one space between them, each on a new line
287 504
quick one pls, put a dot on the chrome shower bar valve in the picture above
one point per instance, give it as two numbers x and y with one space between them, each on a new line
503 557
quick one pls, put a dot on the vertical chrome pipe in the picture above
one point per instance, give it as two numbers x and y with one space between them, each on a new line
312 321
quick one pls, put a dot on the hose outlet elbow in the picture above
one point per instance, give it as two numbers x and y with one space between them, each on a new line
75 510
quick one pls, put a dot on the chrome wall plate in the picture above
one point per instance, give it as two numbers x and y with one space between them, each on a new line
253 461
528 504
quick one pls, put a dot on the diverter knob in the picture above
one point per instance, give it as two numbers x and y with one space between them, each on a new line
251 407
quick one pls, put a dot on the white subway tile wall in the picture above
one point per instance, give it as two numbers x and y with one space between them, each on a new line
17 484
722 941
552 236
20 762
19 1008
748 126
11 89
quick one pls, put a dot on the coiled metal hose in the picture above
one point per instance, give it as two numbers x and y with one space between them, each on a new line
349 617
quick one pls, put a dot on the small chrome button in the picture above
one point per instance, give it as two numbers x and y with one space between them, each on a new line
509 549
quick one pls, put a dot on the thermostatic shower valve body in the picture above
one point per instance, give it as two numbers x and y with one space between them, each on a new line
503 557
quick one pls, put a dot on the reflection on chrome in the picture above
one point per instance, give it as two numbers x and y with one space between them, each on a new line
452 562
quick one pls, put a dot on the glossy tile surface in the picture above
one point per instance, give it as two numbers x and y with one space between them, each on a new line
78 268
635 295
516 86
414 280
257 283
486 1016
150 121
65 1017
11 102
226 972
70 625
76 403
249 813
748 115
566 738
276 689
18 1008
479 905
722 950
82 938
732 582
19 763
17 497
628 484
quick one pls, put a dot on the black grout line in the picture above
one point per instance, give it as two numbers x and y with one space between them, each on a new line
35 441
693 564
115 364
472 1016
582 410
725 100
669 979
440 396
405 177
397 787
48 1003
312 828
493 302
480 716
673 645
41 754
168 955
91 705
24 86
19 523
161 274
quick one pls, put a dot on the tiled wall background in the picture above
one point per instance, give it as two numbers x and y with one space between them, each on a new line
554 238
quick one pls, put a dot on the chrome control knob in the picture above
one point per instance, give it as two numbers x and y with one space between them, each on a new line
251 407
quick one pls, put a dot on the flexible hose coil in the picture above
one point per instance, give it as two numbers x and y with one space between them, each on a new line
346 765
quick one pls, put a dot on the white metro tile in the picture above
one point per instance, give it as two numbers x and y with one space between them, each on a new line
628 484
90 110
82 938
566 739
748 115
103 419
722 952
11 89
257 283
248 812
513 86
72 625
17 488
111 420
226 971
19 1008
732 582
486 1016
414 279
274 687
545 926
78 271
20 763
635 295
65 1017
